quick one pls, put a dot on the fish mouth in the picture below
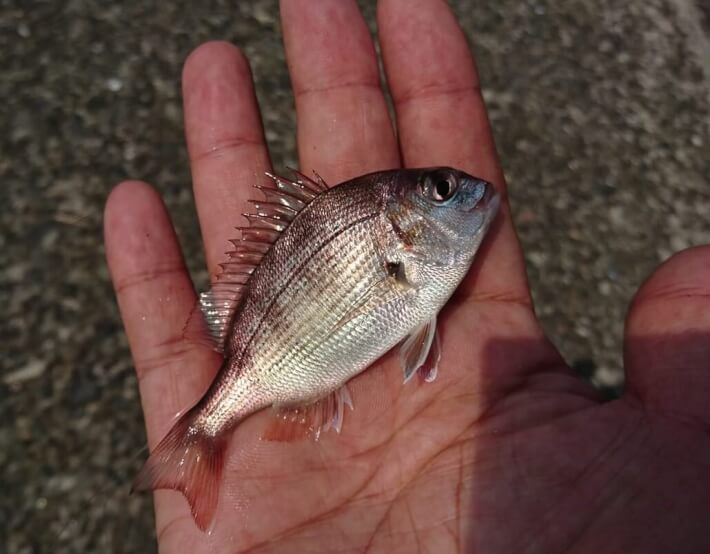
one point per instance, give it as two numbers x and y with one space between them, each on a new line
488 206
489 202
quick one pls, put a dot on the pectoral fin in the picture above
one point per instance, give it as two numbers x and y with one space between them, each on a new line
420 351
430 370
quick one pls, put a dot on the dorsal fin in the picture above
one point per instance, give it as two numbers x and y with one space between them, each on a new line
211 322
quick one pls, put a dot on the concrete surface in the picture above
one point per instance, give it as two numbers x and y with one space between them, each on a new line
600 110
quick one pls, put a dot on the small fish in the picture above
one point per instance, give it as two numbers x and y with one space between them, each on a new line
322 283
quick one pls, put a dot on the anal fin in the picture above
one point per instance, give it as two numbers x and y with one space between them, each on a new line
297 422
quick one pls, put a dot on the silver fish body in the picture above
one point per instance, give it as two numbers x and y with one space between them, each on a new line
359 268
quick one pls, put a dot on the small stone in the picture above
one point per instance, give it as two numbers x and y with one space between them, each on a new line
537 258
616 216
604 288
679 242
608 377
15 273
129 152
263 14
114 84
33 369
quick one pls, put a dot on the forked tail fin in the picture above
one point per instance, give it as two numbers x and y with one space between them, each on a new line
190 461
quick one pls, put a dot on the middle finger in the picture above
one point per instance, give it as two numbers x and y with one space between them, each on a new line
344 128
225 140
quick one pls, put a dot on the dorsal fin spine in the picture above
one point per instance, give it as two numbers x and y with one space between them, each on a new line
295 189
282 197
249 247
268 208
258 221
246 259
238 265
259 234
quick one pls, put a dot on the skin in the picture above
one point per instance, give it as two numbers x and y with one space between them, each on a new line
508 451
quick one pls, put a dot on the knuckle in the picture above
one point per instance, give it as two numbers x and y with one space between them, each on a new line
148 276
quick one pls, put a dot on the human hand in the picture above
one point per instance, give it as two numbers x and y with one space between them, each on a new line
508 451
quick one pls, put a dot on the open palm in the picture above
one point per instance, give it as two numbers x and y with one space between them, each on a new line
507 451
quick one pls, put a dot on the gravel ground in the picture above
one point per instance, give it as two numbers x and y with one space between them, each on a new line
600 110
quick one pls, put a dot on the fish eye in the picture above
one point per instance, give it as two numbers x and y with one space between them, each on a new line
441 187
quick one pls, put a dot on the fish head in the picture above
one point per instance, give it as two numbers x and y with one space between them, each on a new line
442 214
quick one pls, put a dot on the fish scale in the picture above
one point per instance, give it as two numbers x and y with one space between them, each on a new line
356 269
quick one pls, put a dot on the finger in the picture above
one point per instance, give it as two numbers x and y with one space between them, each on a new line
667 338
225 140
344 128
442 120
155 296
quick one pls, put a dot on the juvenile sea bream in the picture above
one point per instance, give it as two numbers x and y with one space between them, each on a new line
320 285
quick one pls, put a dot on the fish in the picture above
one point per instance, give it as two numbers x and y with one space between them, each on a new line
320 284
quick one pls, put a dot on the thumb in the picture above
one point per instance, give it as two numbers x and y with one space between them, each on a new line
667 339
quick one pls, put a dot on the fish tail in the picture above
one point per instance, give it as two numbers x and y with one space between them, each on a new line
188 460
